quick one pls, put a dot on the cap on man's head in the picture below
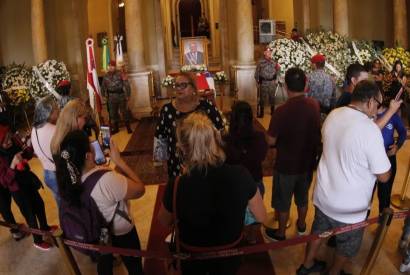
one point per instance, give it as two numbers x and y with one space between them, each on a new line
63 83
113 63
318 58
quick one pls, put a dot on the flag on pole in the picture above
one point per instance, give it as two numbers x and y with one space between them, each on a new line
119 57
105 55
93 86
210 80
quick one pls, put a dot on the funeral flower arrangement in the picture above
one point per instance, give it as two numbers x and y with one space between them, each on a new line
392 54
168 81
194 68
16 84
53 72
220 77
289 53
364 51
336 48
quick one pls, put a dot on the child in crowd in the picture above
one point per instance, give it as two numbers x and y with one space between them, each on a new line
394 124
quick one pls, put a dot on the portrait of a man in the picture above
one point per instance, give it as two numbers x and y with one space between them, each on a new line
194 52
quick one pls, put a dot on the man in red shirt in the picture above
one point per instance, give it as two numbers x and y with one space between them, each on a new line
295 131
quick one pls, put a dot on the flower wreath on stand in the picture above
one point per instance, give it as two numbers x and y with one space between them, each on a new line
288 53
168 83
52 72
16 84
220 77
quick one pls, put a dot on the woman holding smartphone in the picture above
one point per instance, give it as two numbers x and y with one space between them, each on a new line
74 164
72 117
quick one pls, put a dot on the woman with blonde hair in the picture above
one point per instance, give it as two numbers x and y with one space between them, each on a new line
72 117
210 197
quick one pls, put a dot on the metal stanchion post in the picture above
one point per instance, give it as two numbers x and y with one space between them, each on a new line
378 241
66 253
400 201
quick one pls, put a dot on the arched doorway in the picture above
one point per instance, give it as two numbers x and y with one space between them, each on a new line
189 13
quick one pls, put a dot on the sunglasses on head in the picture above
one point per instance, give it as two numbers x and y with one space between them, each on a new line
181 85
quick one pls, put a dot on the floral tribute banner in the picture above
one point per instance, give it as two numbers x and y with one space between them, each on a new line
340 52
52 71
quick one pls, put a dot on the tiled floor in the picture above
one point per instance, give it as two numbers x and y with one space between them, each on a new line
22 258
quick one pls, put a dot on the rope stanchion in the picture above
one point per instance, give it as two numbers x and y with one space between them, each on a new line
378 241
236 251
400 201
66 253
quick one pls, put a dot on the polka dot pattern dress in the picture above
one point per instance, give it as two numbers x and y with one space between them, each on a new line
166 128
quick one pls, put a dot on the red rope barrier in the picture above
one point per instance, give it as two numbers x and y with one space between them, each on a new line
249 249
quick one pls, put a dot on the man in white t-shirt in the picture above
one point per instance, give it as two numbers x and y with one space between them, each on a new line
353 158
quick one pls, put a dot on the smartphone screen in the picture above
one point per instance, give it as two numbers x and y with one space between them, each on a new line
105 136
99 155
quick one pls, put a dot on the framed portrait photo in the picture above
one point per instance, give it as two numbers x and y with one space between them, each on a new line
194 51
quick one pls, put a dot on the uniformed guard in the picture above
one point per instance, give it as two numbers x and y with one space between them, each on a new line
265 76
116 89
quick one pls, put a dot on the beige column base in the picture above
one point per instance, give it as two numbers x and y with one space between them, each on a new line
245 83
140 99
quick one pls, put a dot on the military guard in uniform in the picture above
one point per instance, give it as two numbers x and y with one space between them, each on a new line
265 76
116 89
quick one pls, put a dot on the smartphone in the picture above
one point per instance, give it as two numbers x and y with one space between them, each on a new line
99 155
399 94
105 136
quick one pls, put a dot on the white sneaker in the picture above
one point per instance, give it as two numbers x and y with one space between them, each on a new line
404 267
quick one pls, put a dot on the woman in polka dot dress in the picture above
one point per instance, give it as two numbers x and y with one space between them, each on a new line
186 102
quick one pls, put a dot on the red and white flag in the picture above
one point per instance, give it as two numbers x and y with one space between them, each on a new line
93 87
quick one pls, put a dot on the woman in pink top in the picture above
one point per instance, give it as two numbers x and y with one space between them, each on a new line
45 117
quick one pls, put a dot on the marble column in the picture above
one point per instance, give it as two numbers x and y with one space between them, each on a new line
400 23
245 68
340 17
38 31
138 75
306 15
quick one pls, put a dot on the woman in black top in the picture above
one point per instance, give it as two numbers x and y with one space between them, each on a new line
211 197
186 102
248 147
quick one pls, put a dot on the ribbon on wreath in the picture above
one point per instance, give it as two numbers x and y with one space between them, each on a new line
329 66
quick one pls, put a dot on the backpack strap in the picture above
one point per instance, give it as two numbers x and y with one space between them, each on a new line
92 180
89 185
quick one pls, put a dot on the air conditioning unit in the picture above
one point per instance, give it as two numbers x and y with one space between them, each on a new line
267 30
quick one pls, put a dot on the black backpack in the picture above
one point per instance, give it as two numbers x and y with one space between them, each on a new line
86 223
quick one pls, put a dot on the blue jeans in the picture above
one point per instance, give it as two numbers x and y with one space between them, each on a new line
50 180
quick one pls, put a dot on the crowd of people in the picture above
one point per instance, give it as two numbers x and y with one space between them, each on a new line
215 180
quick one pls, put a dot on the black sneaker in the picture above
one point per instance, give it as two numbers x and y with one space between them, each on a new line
318 266
301 230
272 234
